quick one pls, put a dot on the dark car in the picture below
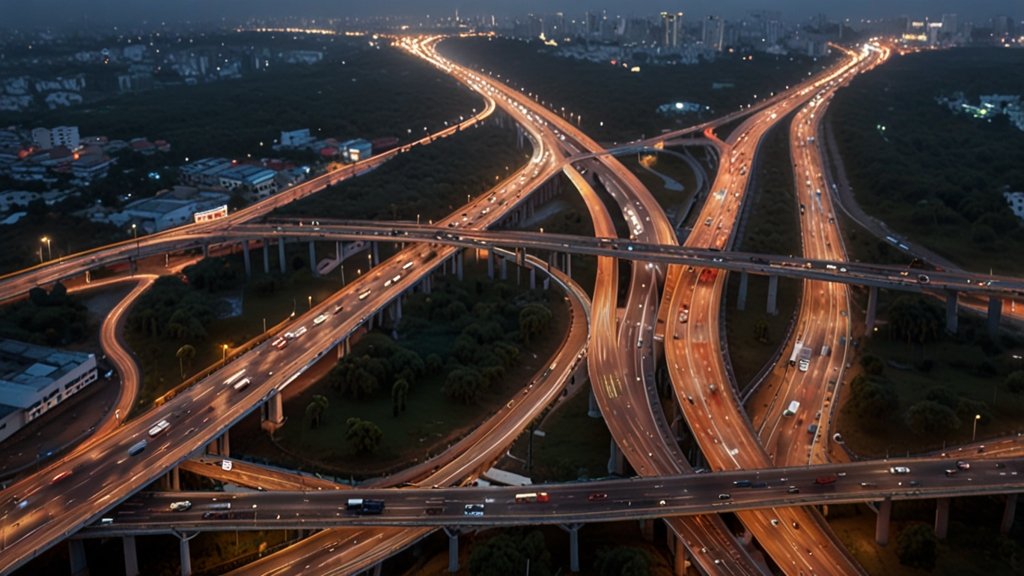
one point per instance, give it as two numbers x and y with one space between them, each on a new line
597 496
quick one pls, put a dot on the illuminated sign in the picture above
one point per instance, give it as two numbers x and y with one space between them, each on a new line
212 214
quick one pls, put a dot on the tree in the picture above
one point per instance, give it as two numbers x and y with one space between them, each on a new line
313 412
1015 382
399 391
510 553
464 385
365 436
623 561
917 546
761 330
871 399
928 417
873 365
533 320
322 402
185 355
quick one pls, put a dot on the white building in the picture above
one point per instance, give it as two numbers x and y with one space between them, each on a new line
66 136
295 138
34 379
171 209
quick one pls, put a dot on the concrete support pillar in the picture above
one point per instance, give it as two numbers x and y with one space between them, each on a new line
568 264
647 529
741 299
76 550
376 253
503 268
174 479
490 265
206 250
995 312
533 278
397 314
882 522
185 555
377 569
593 410
616 460
266 256
574 545
131 557
225 444
872 309
773 294
275 414
312 258
682 562
951 306
1009 512
941 518
453 549
458 263
280 255
339 252
246 259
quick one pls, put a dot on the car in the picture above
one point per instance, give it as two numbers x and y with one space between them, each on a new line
899 470
597 496
338 308
724 496
1000 465
473 510
208 515
61 476
796 525
963 465
951 471
775 521
868 484
792 490
320 319
180 506
661 502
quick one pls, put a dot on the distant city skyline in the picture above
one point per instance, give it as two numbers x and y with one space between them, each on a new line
63 12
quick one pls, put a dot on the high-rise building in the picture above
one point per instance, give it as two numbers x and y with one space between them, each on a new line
950 25
713 33
671 29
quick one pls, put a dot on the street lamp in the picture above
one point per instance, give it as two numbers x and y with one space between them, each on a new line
224 353
49 254
974 433
310 300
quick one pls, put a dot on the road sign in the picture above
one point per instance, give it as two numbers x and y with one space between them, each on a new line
226 465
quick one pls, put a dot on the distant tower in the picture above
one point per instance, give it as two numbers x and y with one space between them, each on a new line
714 33
671 29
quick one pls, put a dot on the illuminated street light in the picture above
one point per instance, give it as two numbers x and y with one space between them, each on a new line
224 353
974 433
49 254
310 300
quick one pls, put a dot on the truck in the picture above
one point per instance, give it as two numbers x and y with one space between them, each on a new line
792 408
796 353
364 506
826 479
805 358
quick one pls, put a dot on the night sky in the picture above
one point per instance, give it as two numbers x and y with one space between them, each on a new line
57 12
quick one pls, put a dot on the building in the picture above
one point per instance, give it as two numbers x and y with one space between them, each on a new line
87 168
713 33
1016 202
66 136
205 172
671 29
356 150
295 138
257 181
171 208
34 379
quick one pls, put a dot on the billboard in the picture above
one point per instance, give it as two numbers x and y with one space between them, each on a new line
211 214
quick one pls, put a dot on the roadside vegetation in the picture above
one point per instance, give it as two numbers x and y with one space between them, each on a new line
616 104
46 318
936 176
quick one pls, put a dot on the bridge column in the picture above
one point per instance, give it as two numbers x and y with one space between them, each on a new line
458 263
773 293
453 549
568 264
503 268
225 444
375 247
131 557
174 479
647 529
941 518
79 564
616 461
312 258
206 250
872 309
266 256
377 568
574 545
246 259
951 305
741 299
280 255
1009 511
682 562
533 278
185 554
275 414
593 410
995 312
397 310
882 522
490 265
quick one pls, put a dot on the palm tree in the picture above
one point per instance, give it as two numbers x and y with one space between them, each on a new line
185 354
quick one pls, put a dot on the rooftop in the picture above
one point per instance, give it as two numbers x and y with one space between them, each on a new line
26 369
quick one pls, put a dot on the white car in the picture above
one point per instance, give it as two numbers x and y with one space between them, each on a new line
180 506
320 319
899 470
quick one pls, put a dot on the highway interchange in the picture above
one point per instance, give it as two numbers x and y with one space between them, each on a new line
620 358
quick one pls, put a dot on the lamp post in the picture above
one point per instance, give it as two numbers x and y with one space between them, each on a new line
49 253
135 236
309 299
224 353
974 432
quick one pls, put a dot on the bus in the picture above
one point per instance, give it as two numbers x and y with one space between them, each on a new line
234 377
532 497
796 353
791 409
